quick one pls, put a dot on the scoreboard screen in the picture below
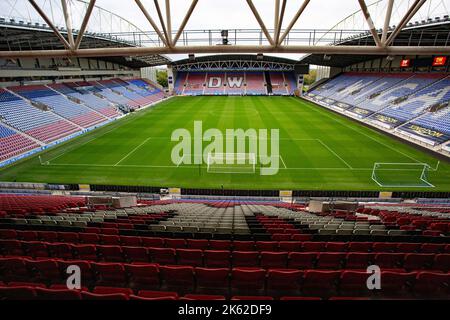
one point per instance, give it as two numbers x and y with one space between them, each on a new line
439 61
405 63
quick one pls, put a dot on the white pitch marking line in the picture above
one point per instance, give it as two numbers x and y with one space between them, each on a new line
132 151
192 167
284 164
338 156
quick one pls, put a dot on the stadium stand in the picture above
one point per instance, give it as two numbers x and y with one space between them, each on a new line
194 84
233 83
13 143
42 125
416 104
121 259
255 83
103 106
62 106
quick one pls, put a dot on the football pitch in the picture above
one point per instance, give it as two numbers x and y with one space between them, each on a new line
318 150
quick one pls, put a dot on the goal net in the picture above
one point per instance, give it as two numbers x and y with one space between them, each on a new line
231 163
406 175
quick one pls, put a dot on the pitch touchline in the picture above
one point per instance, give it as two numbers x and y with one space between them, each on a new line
132 151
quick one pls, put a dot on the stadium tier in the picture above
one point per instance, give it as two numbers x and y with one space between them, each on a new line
414 103
50 112
234 83
171 250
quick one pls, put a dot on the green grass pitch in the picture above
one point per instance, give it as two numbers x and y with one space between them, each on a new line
319 150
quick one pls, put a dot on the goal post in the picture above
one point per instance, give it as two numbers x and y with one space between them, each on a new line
231 163
406 175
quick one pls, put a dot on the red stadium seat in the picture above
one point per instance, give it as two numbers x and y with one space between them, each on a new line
248 280
175 243
130 241
35 249
245 258
57 294
243 246
190 257
274 260
201 297
330 260
216 258
17 293
85 252
336 247
45 271
109 239
320 283
290 246
8 234
157 294
354 283
11 248
60 250
396 283
266 245
389 260
313 246
70 237
432 285
360 246
93 296
110 274
152 242
89 238
358 260
135 254
162 255
112 290
384 247
180 278
48 236
418 261
302 260
143 276
197 244
14 269
408 247
110 253
432 247
442 262
220 245
282 282
212 280
252 298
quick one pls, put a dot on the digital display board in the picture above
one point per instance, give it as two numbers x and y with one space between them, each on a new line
439 61
405 63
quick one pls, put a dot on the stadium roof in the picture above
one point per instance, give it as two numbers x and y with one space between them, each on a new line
418 33
104 36
228 57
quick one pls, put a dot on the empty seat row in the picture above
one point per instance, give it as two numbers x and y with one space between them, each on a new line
187 279
225 258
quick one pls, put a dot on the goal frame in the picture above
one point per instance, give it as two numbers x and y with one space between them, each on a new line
425 168
236 157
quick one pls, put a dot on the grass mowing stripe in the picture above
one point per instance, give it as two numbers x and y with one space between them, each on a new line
354 129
